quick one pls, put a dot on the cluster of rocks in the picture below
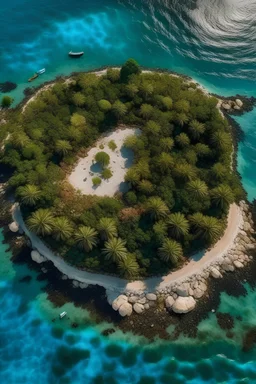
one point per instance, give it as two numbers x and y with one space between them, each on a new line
181 297
230 105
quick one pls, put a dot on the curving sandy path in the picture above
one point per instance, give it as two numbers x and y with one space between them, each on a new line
116 284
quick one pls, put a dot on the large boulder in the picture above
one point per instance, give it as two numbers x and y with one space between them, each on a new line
184 304
238 264
35 256
125 309
13 227
226 106
120 300
151 296
239 103
215 273
183 290
138 308
169 301
133 299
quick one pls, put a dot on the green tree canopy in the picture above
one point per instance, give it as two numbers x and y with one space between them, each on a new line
130 67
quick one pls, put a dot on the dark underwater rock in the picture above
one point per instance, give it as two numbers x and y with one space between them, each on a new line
7 86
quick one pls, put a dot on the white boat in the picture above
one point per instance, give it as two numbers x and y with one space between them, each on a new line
62 314
41 71
75 54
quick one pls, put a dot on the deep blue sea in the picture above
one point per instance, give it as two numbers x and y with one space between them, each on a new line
213 41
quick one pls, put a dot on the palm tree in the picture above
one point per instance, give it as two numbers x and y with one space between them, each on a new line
171 251
132 176
142 168
157 208
182 106
146 110
145 186
198 189
78 120
20 140
202 150
41 222
185 171
166 143
62 228
211 229
86 238
131 89
79 99
119 109
221 140
107 228
128 267
182 140
219 171
206 226
181 119
167 102
29 194
63 147
152 127
222 196
165 161
115 249
178 224
196 128
146 89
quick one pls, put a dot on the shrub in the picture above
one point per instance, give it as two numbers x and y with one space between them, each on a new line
106 173
112 145
6 101
102 158
96 181
104 105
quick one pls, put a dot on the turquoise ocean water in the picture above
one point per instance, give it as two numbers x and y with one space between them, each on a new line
210 40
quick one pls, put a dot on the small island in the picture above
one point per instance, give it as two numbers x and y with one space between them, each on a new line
123 172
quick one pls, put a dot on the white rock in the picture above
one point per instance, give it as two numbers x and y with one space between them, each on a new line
238 264
183 290
215 273
169 301
35 256
138 308
184 304
120 300
125 309
151 296
197 293
226 106
203 287
239 103
64 277
133 299
13 227
247 226
146 306
75 283
83 285
143 300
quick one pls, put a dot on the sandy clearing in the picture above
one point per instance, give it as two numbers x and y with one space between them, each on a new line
112 283
120 160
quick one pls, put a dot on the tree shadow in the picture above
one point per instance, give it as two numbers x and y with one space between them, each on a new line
127 154
123 187
96 168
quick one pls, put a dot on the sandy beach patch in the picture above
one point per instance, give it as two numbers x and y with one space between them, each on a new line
120 160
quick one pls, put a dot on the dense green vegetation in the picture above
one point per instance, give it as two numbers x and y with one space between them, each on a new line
181 182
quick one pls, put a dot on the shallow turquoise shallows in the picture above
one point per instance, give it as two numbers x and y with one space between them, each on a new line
214 42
